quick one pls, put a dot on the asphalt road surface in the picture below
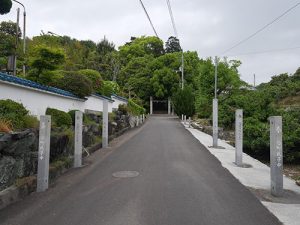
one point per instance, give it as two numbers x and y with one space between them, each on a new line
179 183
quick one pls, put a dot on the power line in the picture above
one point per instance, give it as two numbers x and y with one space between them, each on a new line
149 18
261 29
172 18
262 52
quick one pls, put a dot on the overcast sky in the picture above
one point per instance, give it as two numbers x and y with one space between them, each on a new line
206 26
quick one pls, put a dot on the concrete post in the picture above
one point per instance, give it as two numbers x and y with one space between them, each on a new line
78 139
215 122
181 117
44 153
276 162
151 105
239 137
143 118
105 124
184 119
169 106
189 121
137 121
173 110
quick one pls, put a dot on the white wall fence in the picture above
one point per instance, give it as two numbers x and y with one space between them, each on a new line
37 101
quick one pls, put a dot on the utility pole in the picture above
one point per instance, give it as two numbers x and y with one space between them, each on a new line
24 35
16 44
216 76
215 108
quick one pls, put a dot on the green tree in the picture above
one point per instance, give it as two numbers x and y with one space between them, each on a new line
164 82
9 28
104 47
173 45
46 59
184 101
140 47
5 6
109 88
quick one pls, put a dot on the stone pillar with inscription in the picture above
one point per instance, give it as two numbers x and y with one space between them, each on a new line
276 157
239 137
169 106
105 124
151 105
78 139
44 154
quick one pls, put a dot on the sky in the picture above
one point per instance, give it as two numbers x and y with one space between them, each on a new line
206 26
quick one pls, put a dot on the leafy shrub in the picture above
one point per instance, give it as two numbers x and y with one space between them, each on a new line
111 116
256 138
13 112
123 109
291 135
59 118
77 84
94 76
134 108
30 122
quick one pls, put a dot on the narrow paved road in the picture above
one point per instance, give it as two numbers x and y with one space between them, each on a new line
180 183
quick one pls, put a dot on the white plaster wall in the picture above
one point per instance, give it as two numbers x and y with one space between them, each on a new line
110 106
38 101
117 102
94 103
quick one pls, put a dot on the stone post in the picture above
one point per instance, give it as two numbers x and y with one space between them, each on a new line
151 105
169 106
78 139
239 137
44 154
215 122
276 156
105 124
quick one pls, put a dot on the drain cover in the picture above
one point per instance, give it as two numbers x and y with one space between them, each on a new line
125 174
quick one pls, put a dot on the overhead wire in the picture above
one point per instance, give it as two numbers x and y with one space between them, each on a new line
263 52
148 18
172 18
261 29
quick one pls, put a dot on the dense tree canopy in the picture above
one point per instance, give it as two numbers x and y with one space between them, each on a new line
5 6
173 45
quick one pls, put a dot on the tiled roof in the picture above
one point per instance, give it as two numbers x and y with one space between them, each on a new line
28 83
120 98
104 97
